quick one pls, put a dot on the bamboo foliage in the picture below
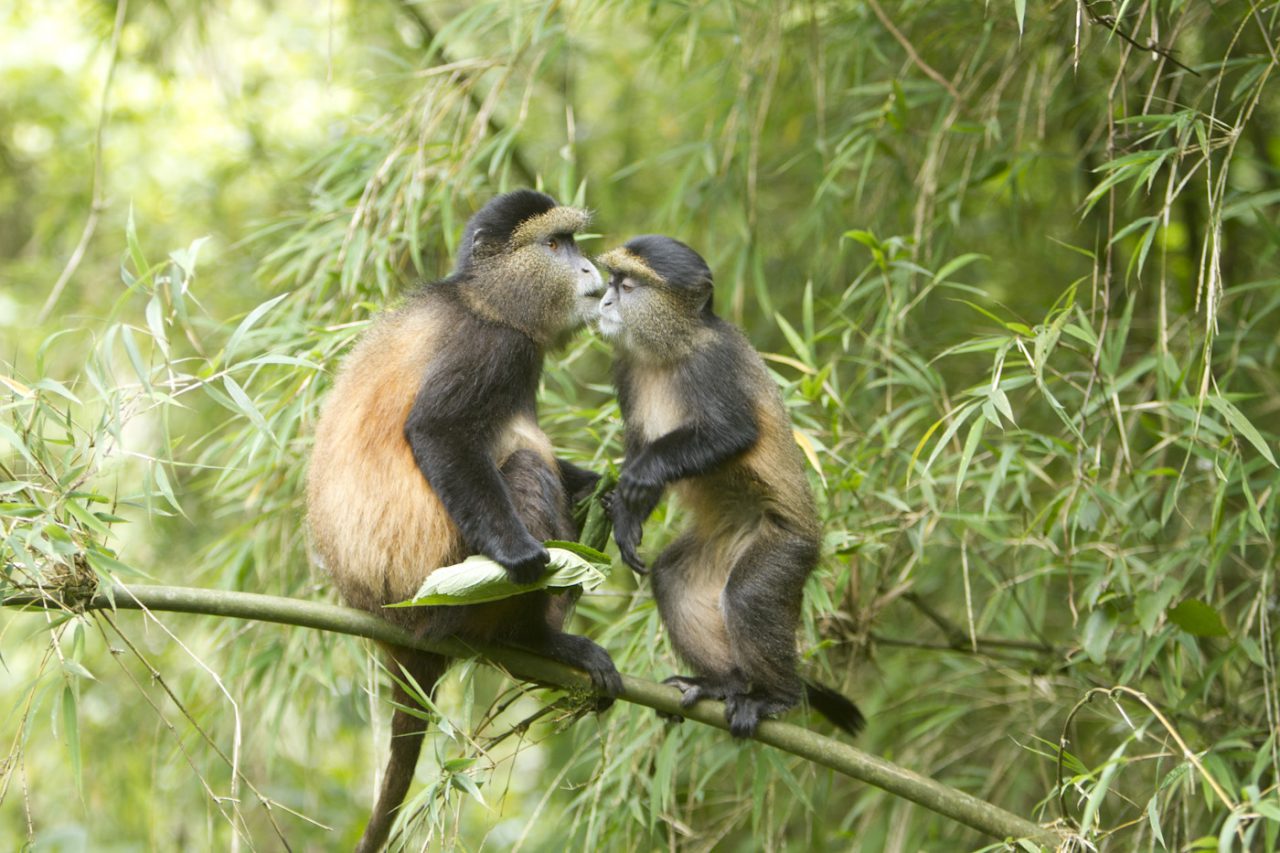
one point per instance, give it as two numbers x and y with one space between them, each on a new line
1012 266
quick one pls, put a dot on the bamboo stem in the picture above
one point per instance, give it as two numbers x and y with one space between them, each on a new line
827 752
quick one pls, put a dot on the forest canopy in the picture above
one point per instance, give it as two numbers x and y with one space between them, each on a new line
1012 265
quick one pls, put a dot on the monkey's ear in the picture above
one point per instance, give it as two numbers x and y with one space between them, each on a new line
476 243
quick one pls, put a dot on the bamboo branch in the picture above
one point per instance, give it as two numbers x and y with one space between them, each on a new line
835 755
98 199
430 36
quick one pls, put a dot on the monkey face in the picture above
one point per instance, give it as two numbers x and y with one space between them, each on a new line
651 321
658 289
523 267
588 286
609 314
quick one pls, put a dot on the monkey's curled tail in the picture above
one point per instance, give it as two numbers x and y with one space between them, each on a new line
836 708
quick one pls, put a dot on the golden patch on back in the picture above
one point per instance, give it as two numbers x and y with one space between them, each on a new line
350 494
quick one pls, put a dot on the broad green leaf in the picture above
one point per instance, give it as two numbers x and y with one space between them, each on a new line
478 579
584 551
1097 634
1198 619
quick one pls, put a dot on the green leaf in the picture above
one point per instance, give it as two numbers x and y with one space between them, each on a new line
1242 425
135 247
1153 817
465 783
74 667
1198 619
246 406
797 343
18 445
87 518
107 565
582 550
970 445
956 264
478 579
1001 401
71 729
248 323
155 322
135 357
1098 629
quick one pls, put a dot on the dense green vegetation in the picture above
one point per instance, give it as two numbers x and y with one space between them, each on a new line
1015 271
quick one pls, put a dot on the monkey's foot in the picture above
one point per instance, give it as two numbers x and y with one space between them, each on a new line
744 711
584 654
692 689
604 677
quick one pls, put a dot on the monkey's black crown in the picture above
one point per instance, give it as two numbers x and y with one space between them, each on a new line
494 223
679 265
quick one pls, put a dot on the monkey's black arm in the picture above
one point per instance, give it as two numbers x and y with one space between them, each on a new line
684 452
723 425
472 391
692 450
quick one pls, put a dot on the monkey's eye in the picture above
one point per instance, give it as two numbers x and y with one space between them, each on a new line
627 285
553 244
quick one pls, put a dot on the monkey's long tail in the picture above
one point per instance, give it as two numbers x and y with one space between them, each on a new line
836 708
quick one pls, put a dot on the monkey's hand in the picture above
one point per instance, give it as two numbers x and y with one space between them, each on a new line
640 494
525 560
627 530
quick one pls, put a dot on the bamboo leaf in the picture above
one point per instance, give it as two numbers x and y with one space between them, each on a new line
1237 419
970 446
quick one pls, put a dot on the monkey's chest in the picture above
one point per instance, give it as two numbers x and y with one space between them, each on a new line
657 407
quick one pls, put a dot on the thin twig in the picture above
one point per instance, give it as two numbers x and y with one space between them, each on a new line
97 202
931 72
1122 690
1113 25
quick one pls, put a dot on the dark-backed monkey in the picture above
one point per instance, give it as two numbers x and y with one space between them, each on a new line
703 416
428 450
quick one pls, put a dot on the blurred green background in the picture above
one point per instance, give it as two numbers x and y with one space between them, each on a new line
1014 269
